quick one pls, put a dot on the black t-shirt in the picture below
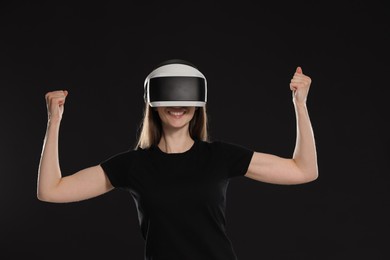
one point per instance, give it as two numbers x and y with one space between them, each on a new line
181 197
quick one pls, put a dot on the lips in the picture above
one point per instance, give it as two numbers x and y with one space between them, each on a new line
177 113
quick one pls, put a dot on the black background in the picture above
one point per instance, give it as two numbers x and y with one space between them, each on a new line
101 53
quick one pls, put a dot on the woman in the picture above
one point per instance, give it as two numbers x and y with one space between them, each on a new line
177 177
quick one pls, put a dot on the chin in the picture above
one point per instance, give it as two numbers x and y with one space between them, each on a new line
177 126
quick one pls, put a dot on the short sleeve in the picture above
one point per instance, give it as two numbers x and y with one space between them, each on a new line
237 158
117 168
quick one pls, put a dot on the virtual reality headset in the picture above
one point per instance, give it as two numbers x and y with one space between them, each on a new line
175 83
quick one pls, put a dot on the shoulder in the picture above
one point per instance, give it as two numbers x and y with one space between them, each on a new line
129 154
222 146
214 144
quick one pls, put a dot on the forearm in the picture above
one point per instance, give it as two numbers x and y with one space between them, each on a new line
305 155
49 173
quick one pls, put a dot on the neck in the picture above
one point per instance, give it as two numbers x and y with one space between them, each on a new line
175 141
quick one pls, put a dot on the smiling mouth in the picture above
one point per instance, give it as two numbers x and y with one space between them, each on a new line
176 113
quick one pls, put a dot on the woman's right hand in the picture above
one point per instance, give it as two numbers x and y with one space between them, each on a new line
52 186
55 101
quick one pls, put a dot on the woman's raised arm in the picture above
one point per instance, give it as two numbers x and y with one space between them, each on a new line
302 166
51 186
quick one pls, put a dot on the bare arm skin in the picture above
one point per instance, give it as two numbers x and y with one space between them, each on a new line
302 167
51 186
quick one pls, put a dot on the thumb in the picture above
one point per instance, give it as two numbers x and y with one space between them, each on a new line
65 93
299 70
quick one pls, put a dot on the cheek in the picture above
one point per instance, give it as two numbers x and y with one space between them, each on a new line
162 116
190 114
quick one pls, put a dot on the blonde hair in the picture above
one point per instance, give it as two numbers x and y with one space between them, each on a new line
151 127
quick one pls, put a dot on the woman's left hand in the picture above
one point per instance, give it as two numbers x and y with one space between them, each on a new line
300 84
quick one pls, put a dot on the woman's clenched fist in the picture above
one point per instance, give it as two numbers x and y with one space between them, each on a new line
55 101
300 84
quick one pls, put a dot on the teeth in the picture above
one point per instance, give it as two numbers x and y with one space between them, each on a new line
176 113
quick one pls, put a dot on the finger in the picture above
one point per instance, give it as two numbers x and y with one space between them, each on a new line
297 85
299 77
299 81
299 70
293 87
57 101
56 93
294 80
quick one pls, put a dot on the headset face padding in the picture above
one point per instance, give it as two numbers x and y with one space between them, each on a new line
175 83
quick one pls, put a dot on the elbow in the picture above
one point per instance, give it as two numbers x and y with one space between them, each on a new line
48 193
311 176
306 174
316 175
42 197
45 197
41 194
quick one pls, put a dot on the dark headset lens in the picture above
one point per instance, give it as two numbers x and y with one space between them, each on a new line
177 89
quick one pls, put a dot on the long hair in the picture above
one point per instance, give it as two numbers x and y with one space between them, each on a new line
151 127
